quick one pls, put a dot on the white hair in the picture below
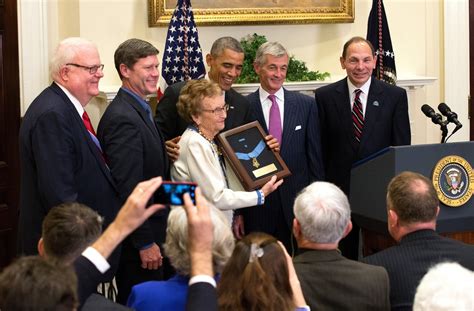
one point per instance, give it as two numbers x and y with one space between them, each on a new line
446 286
323 212
65 53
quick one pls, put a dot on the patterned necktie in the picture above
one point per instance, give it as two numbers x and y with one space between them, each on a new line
274 124
357 116
90 129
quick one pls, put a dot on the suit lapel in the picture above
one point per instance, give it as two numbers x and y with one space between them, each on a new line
374 105
343 106
254 100
289 118
141 112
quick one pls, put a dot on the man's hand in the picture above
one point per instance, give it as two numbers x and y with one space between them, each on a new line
200 234
172 148
151 257
238 226
273 143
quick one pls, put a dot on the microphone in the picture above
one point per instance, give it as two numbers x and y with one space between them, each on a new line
436 118
452 116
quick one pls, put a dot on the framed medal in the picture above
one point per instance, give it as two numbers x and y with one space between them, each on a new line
250 157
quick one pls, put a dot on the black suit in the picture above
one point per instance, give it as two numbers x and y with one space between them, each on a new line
59 163
172 125
409 261
201 297
332 282
300 148
386 124
135 151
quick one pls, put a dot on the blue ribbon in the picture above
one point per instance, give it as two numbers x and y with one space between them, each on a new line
253 154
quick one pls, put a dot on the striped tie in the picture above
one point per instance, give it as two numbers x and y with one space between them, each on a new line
357 116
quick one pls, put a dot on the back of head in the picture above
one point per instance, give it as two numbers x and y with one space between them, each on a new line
68 229
446 287
225 43
256 276
356 40
130 51
177 240
191 96
34 284
65 53
269 48
413 197
323 212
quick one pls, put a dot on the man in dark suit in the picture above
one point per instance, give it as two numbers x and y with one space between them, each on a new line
329 280
61 159
135 151
359 116
412 208
296 130
225 63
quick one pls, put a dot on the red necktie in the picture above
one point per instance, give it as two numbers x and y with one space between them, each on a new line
90 129
357 116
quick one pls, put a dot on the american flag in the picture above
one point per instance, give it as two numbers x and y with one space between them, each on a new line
182 57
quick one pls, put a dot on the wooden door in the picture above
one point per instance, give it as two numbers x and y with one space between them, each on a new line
9 127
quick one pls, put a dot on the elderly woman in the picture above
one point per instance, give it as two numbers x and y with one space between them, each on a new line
201 103
171 294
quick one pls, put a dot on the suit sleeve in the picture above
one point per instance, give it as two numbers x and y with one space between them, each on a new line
121 140
313 141
201 297
55 156
401 134
322 127
88 277
166 116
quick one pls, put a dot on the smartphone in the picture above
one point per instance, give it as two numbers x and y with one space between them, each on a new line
171 193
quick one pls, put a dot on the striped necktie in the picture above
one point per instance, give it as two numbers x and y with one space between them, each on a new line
357 116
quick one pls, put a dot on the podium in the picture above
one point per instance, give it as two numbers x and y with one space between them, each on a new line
371 176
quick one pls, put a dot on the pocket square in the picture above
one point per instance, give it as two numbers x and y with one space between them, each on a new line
298 127
376 103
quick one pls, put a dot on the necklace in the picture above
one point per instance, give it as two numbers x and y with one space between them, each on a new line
214 146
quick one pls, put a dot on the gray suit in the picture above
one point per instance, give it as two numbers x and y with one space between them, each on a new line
332 282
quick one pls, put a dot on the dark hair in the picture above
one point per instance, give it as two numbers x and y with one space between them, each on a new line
34 284
413 197
191 96
68 229
262 284
223 43
130 51
356 40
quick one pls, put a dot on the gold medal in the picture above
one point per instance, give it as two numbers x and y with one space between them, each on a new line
255 163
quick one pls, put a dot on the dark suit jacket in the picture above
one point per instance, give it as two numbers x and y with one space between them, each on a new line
99 302
172 125
201 297
59 163
386 124
135 151
300 148
332 282
409 261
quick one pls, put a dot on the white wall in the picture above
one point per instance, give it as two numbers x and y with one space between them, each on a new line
417 28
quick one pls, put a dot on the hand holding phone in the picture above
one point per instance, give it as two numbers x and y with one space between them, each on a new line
171 193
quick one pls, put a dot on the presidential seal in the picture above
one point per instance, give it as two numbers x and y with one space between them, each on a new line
453 180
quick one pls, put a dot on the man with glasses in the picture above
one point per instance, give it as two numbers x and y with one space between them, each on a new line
135 151
60 156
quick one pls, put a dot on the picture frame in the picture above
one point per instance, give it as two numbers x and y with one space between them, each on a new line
252 160
254 12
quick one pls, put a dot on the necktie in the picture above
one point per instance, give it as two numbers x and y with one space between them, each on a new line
274 124
90 129
357 116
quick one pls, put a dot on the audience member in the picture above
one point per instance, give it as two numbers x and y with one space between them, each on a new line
447 286
412 208
33 284
200 159
171 294
135 152
292 118
329 280
260 276
359 116
61 158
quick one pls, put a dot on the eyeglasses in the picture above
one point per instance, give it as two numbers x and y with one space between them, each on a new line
92 69
218 110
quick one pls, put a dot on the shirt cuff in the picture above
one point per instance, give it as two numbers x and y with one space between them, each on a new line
303 308
96 258
202 279
146 246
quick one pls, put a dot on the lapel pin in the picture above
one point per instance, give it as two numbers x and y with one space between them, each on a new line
376 103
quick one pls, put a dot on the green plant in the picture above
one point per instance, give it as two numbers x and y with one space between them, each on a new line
297 70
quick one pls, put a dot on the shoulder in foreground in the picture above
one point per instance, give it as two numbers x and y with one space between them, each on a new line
298 97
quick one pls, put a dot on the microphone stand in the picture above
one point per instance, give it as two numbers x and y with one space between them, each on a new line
444 131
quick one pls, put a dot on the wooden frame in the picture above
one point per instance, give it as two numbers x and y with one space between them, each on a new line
251 12
250 157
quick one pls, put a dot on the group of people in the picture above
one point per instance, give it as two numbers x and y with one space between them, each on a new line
165 258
